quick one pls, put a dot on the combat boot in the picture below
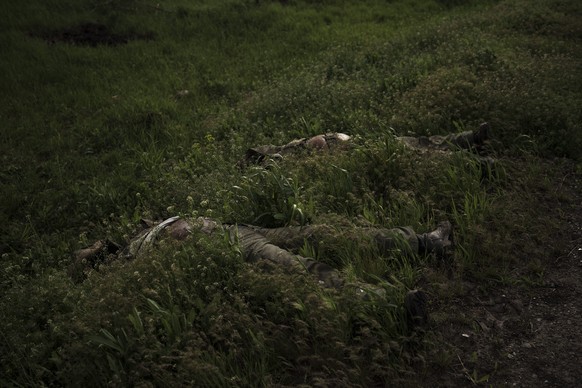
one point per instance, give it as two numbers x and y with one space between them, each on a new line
437 242
482 134
416 310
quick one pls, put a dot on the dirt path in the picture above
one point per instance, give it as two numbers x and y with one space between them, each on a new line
549 352
522 335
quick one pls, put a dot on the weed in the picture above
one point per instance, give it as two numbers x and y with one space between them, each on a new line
271 197
95 138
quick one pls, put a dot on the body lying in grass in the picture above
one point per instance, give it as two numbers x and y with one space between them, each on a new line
467 140
274 245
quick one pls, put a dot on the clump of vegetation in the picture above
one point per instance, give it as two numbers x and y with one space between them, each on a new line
96 137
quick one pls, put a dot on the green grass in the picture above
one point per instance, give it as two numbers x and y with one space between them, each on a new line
95 138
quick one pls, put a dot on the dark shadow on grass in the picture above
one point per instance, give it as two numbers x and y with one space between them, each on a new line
90 34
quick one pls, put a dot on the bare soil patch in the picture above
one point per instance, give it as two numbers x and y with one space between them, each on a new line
91 34
521 334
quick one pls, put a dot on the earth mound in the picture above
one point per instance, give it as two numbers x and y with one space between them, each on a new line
91 34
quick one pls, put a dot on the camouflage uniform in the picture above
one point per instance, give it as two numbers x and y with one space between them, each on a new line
271 245
466 140
257 155
274 244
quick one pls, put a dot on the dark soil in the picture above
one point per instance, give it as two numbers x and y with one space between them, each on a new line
90 34
520 333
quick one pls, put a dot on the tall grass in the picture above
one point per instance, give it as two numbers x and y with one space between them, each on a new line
95 138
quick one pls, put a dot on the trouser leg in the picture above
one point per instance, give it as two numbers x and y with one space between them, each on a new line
257 247
437 242
259 244
403 239
292 237
469 139
464 140
387 240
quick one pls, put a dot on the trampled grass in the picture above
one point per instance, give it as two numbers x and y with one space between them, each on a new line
95 138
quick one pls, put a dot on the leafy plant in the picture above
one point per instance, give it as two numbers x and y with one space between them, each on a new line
96 138
270 197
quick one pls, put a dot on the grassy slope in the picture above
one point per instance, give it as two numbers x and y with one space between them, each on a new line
95 138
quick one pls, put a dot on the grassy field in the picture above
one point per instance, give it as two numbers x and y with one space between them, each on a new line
94 138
